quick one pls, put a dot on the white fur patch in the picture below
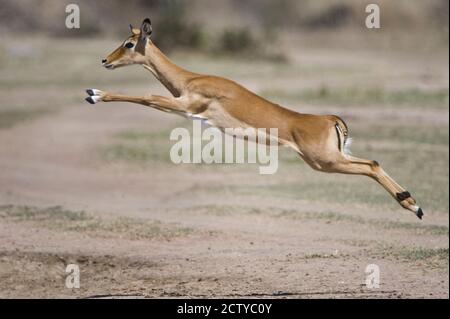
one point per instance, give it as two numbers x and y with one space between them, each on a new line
415 208
96 98
347 144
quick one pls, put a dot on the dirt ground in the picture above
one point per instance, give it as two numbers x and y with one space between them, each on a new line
93 186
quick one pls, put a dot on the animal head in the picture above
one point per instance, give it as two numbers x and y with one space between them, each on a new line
132 50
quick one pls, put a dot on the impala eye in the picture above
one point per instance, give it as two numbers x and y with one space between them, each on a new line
129 45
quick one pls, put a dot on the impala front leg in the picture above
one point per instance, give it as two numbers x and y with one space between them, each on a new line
162 103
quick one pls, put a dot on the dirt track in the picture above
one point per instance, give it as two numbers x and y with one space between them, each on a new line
211 232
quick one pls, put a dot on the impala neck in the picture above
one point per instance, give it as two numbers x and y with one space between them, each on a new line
170 75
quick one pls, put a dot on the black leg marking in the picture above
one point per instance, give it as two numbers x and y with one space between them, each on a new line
419 213
338 131
375 163
403 195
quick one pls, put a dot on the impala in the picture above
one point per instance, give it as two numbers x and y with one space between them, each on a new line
320 140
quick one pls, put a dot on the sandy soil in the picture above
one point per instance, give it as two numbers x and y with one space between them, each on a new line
229 255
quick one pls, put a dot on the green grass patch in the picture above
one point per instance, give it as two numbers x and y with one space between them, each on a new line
377 223
328 190
139 147
417 228
431 257
136 153
320 256
395 132
415 254
9 118
27 213
354 96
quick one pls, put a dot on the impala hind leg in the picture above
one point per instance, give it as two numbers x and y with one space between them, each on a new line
353 165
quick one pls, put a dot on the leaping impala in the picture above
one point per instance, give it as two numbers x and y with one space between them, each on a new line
321 140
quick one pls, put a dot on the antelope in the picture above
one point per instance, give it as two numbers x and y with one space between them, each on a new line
322 141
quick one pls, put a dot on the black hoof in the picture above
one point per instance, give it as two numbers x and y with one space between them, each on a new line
90 92
403 195
90 100
419 213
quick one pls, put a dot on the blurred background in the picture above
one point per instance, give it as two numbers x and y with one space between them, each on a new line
101 176
231 26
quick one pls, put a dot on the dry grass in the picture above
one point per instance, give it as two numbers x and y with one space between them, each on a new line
58 218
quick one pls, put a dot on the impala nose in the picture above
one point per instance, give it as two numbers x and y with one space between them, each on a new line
103 61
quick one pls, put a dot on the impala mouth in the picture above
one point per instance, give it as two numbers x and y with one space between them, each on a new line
108 66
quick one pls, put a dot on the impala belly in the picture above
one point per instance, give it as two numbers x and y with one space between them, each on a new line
216 115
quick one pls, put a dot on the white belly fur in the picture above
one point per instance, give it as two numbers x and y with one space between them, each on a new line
215 115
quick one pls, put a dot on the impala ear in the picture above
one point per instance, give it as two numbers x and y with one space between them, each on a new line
134 31
146 28
145 32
